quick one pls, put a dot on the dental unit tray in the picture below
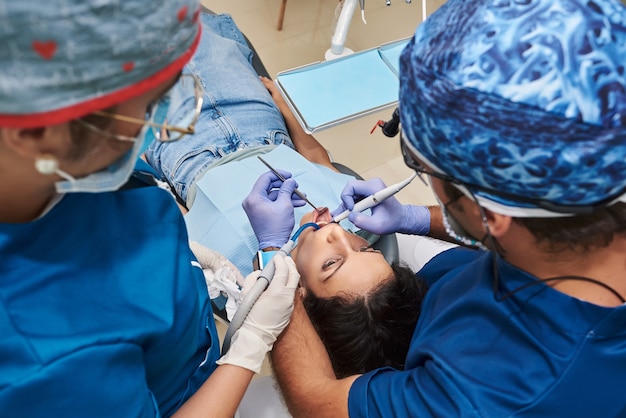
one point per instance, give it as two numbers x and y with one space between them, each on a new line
325 94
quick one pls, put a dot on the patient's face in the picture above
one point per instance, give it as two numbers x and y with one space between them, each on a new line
331 260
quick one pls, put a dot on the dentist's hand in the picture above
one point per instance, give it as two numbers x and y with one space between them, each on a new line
268 317
387 217
269 207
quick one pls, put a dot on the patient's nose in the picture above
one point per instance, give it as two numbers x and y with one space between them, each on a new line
336 234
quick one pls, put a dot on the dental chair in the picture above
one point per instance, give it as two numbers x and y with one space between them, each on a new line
386 244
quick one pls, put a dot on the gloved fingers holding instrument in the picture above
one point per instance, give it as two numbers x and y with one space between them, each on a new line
387 217
269 207
268 317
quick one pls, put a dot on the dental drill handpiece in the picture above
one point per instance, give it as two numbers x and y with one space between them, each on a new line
262 282
375 198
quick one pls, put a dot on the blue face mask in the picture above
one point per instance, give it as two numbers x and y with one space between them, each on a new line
108 179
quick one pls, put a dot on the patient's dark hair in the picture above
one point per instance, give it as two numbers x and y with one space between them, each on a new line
362 332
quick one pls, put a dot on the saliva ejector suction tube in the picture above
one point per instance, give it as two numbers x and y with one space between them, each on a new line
262 282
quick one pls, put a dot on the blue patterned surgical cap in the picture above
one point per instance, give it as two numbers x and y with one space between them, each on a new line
525 98
62 59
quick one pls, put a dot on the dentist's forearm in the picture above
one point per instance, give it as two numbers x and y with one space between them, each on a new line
437 229
219 396
304 371
306 144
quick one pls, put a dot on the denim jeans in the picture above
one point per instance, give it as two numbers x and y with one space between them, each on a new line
238 112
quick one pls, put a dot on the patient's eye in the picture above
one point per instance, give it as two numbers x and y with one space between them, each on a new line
329 263
368 249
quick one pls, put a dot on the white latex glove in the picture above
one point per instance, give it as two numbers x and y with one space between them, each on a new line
267 318
220 276
216 262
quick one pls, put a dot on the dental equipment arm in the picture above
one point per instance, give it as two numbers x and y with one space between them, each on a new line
338 40
362 6
375 198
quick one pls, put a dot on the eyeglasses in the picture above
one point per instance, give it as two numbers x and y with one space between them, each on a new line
410 161
420 169
171 117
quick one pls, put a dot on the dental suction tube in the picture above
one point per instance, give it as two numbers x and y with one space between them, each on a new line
262 282
375 198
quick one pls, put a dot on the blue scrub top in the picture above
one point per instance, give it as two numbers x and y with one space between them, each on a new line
101 311
539 353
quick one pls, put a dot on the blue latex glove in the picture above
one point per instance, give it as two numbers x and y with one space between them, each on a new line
387 217
269 207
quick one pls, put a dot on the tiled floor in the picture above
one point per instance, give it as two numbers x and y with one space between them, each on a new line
307 30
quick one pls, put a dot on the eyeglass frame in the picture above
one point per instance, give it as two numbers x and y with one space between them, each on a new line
410 162
199 94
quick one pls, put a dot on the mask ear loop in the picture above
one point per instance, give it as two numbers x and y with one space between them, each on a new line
494 247
47 164
498 251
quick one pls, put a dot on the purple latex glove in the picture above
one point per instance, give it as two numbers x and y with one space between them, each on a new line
387 217
269 207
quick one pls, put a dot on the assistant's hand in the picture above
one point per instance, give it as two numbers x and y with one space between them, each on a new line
267 318
269 207
270 314
216 263
387 217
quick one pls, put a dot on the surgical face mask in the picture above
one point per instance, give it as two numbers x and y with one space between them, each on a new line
455 230
108 179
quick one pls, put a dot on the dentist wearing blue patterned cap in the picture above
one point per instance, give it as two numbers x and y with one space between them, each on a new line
515 113
104 309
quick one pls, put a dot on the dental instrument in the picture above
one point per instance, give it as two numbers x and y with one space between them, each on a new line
282 178
362 6
262 282
375 198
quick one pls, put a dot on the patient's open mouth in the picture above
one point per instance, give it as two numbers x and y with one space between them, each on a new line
321 216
